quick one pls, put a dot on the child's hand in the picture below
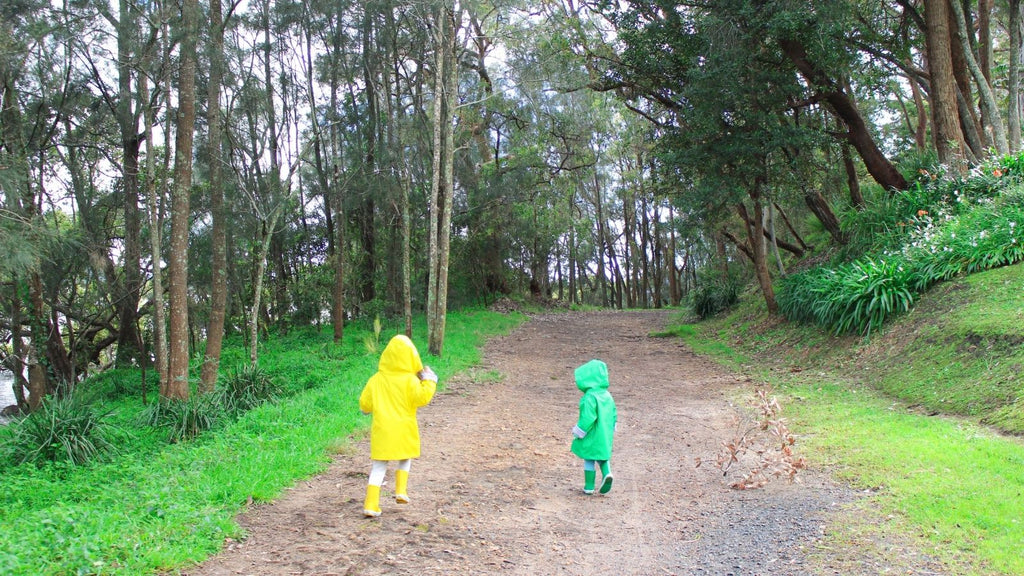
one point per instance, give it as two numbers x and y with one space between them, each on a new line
578 432
427 374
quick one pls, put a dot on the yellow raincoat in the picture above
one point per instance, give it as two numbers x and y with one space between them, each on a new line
392 396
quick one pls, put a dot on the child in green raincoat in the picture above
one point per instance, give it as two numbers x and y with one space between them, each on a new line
401 385
595 429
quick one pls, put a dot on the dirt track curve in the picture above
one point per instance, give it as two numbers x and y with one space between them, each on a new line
497 490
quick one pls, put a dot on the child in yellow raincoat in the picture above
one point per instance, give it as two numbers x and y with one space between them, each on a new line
391 396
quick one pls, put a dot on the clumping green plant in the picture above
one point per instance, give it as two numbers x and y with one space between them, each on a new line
185 419
64 430
850 298
711 298
248 386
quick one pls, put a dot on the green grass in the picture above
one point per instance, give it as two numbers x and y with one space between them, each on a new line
159 507
915 413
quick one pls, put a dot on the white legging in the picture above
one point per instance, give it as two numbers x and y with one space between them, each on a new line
380 468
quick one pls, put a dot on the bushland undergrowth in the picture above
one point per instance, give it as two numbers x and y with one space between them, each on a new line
923 415
944 226
153 505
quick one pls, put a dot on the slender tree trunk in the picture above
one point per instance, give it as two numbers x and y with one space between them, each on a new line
758 252
852 180
448 189
602 275
154 204
921 129
18 196
257 296
336 203
985 38
435 179
177 386
218 232
674 289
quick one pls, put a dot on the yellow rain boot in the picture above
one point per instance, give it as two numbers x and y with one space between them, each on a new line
401 482
371 507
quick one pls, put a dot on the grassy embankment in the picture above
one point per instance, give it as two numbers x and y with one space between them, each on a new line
157 506
924 415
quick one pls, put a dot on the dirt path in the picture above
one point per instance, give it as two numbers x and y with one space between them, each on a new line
497 489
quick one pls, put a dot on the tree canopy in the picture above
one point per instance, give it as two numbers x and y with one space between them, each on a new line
172 173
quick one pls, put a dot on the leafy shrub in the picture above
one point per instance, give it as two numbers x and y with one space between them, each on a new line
945 228
185 419
248 386
64 430
711 298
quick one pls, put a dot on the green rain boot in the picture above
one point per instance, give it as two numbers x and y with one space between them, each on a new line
606 477
401 484
588 481
371 506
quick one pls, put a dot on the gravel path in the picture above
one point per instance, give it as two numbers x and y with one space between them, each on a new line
497 490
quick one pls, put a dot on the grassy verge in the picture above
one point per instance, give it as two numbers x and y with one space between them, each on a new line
908 416
158 506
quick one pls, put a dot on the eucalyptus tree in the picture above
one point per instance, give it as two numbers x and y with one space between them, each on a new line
177 386
218 216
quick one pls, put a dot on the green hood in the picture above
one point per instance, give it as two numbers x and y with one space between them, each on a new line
592 376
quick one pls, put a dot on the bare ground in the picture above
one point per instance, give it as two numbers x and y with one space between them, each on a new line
497 490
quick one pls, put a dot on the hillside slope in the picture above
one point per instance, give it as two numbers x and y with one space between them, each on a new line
959 351
923 417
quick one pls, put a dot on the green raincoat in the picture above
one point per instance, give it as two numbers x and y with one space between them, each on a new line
597 413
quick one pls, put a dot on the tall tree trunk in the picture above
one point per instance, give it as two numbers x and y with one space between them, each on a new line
674 289
404 208
218 231
436 185
177 385
17 193
989 108
921 129
335 203
985 38
129 342
1014 99
261 272
602 275
949 140
367 209
447 191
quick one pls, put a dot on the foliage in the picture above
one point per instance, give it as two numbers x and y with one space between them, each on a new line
247 387
856 297
185 419
63 430
938 229
159 507
713 297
